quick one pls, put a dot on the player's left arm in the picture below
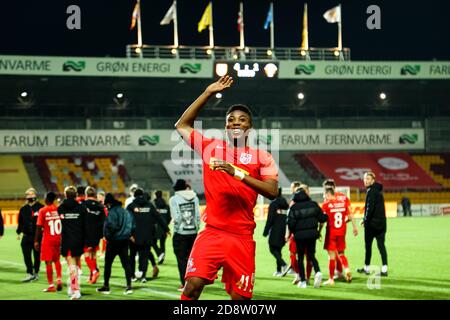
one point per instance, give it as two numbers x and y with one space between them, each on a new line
351 218
37 237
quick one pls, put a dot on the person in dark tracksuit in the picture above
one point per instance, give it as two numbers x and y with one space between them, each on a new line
94 221
406 206
145 217
118 229
276 230
2 229
304 218
374 223
184 205
28 215
164 210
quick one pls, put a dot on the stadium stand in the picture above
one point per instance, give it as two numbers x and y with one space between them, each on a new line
437 166
13 171
106 173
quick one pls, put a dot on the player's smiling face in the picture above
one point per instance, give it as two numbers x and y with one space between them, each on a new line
237 123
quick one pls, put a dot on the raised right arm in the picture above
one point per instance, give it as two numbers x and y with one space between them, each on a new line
185 124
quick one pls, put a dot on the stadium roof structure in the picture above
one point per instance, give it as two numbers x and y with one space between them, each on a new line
56 96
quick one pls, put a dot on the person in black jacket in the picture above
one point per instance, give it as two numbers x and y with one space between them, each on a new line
276 229
95 218
28 215
145 217
164 210
118 230
73 216
374 222
303 222
2 229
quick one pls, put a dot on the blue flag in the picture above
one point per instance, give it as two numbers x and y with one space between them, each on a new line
269 17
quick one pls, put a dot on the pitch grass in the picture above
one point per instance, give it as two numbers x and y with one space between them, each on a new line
419 268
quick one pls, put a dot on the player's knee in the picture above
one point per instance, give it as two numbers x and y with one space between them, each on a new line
193 287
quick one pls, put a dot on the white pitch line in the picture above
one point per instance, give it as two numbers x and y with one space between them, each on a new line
156 292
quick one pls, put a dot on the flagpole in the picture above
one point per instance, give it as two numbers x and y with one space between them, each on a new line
272 28
175 25
340 29
242 40
139 29
211 30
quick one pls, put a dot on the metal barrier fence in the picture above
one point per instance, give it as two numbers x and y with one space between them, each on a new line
235 53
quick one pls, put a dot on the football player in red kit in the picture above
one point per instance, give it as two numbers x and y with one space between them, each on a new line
233 176
329 183
49 228
337 212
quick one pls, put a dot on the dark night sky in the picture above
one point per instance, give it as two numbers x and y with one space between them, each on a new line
411 30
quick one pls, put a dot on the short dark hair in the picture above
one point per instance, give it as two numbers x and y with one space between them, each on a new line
330 191
329 183
50 197
158 194
81 190
138 192
240 107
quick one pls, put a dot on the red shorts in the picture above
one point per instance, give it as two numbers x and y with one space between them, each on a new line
95 249
292 245
334 242
213 249
50 251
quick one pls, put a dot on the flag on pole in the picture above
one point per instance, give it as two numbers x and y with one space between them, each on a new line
269 17
305 40
206 18
240 21
333 15
135 15
170 15
240 26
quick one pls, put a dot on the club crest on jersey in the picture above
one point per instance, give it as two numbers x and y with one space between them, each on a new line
245 158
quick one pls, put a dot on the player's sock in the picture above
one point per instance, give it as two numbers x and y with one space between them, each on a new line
49 273
183 297
384 268
294 263
308 269
94 264
74 278
58 270
344 261
339 263
331 267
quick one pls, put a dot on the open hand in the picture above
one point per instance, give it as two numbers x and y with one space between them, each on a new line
355 232
220 85
36 246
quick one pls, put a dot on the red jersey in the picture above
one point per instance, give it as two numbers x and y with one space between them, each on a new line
342 197
230 202
49 219
337 211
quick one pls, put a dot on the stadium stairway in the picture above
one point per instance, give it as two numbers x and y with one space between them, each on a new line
149 173
35 179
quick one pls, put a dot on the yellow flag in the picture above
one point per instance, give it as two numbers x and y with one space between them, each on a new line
305 40
206 18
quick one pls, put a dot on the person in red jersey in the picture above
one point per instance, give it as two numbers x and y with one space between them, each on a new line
330 183
337 212
233 175
49 230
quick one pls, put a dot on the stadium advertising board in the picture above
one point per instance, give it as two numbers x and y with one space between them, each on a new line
393 170
32 141
105 67
352 139
364 70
